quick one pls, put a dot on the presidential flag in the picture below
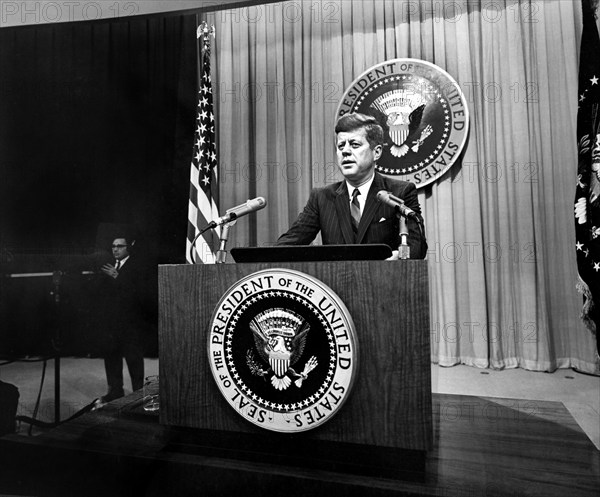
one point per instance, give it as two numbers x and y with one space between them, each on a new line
587 196
204 191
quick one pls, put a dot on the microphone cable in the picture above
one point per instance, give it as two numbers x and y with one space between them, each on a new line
32 421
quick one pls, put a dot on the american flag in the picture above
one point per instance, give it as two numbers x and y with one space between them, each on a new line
204 188
587 196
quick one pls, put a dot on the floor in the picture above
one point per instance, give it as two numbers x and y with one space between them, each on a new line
83 381
580 393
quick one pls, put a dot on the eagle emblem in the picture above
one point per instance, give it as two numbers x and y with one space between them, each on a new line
399 113
280 337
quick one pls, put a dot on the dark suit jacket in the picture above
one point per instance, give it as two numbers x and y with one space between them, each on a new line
328 211
124 302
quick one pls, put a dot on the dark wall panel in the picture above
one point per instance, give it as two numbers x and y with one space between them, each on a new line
95 119
96 130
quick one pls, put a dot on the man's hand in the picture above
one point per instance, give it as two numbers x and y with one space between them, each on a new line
110 270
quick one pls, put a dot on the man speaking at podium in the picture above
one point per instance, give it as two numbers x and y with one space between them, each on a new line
351 211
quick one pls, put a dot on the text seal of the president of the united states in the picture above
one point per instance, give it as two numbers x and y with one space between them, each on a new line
282 350
422 111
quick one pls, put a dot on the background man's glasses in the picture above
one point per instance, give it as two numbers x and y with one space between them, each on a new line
118 246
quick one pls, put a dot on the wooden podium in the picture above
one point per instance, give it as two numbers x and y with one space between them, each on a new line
385 426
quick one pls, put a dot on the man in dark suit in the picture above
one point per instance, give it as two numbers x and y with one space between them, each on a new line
125 320
349 212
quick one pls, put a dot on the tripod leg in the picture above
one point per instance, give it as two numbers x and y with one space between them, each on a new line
57 389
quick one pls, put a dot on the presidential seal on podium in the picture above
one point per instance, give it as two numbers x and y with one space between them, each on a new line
282 350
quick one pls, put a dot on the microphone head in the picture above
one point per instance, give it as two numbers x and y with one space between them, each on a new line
383 196
388 198
257 203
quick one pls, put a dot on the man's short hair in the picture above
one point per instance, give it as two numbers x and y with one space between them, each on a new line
129 241
354 121
126 238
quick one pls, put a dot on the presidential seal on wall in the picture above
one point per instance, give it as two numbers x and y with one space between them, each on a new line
282 350
423 113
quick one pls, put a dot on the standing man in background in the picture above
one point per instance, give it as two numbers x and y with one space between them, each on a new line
125 323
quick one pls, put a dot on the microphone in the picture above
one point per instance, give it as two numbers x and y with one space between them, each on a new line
396 203
232 214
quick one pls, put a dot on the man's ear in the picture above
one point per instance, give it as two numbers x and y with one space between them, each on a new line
377 151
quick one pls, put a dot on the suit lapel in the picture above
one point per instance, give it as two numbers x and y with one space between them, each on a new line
342 207
371 207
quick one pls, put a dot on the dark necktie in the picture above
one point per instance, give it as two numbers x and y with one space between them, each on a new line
355 209
118 265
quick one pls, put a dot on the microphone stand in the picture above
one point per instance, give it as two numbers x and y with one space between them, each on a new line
222 252
403 248
56 344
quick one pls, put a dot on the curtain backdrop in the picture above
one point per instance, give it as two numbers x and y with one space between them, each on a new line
97 122
500 226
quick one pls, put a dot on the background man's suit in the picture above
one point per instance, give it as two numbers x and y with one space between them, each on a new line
125 326
328 211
